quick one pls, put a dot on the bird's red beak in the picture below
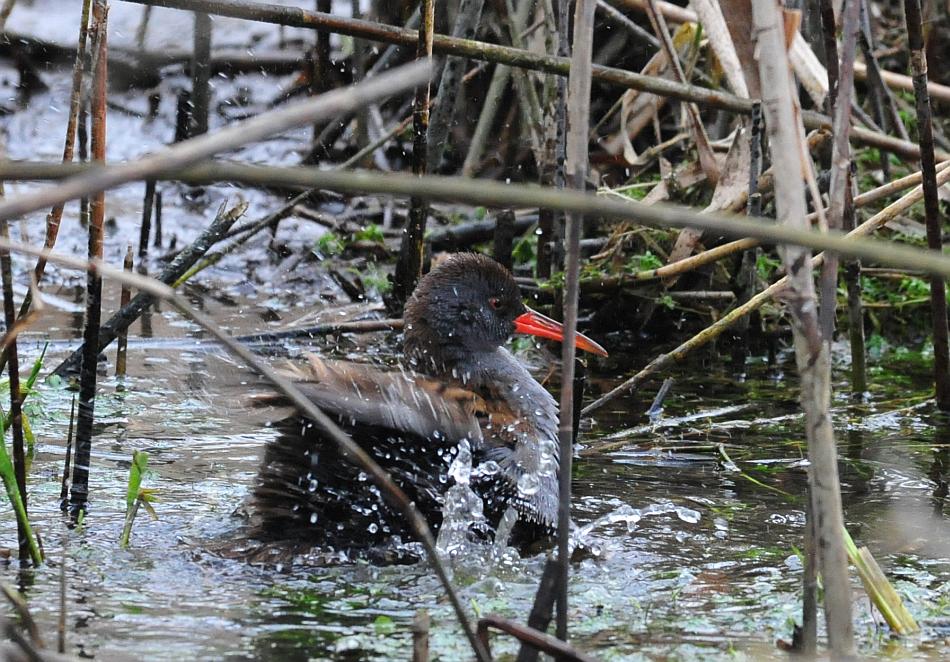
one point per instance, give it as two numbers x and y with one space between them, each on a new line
533 323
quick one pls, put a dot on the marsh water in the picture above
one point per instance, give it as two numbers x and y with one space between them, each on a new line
694 521
698 519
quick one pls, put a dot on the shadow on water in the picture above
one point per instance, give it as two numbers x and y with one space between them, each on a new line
698 518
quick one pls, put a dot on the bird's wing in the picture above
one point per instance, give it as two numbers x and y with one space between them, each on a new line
399 400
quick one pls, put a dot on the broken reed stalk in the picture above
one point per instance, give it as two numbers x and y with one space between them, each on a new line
158 220
477 50
840 159
811 353
16 395
146 228
196 149
498 194
409 265
542 610
938 298
200 75
529 636
79 493
177 268
55 216
358 326
347 447
122 344
578 125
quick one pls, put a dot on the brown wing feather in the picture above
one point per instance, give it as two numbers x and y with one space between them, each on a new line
400 400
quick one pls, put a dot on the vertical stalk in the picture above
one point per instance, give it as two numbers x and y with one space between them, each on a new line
158 220
938 298
16 397
200 75
578 123
64 492
840 164
146 229
852 278
122 342
812 355
409 265
87 386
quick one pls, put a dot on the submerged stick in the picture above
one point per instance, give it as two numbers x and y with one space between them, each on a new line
529 636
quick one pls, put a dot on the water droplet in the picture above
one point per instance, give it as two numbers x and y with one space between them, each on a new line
688 515
313 518
528 484
372 528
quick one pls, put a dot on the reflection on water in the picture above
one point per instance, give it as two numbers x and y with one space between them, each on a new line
690 555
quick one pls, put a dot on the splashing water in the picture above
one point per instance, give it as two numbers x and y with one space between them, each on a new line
463 509
583 536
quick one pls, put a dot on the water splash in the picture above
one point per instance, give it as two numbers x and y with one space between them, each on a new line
583 536
463 509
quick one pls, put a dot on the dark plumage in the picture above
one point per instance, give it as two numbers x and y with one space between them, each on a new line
458 382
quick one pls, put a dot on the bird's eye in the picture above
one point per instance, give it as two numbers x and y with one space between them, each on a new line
495 303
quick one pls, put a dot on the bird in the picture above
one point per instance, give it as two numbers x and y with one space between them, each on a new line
457 385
